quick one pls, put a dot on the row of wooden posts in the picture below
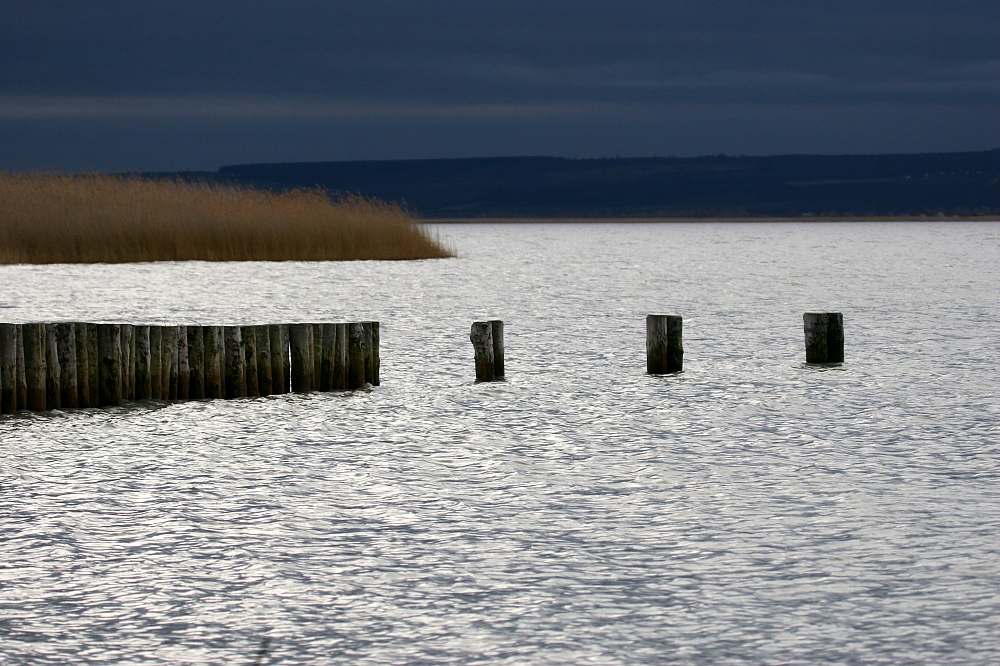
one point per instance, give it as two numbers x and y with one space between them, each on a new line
824 337
70 364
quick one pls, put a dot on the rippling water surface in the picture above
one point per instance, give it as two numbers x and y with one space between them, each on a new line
750 509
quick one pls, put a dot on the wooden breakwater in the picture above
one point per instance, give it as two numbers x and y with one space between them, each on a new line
71 364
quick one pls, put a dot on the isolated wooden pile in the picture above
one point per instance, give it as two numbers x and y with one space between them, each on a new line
70 364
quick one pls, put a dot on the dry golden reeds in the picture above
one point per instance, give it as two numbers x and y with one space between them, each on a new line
52 218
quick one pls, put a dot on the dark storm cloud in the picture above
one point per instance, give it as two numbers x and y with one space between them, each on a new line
614 66
487 52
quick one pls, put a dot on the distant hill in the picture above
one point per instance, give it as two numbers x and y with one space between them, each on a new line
720 185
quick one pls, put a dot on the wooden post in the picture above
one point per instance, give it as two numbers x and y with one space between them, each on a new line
341 364
143 362
317 355
326 379
126 342
376 355
824 337
664 344
82 366
196 362
482 343
262 337
9 338
93 365
301 341
496 327
8 368
214 352
131 370
66 349
366 326
53 375
34 365
22 381
235 362
355 355
156 362
171 369
249 337
109 351
183 364
280 370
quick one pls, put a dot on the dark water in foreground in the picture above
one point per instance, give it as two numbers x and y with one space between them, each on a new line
750 510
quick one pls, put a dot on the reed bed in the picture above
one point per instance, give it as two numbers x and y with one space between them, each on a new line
98 218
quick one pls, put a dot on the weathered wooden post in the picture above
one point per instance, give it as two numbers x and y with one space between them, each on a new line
317 354
280 368
156 362
52 369
142 362
22 381
341 364
94 365
301 341
82 366
196 362
66 348
355 355
262 338
327 382
249 337
183 364
482 343
214 353
9 335
824 337
497 330
171 369
35 370
131 370
235 362
376 354
109 352
366 326
126 342
664 344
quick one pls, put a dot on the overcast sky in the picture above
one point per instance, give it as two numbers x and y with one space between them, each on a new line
184 84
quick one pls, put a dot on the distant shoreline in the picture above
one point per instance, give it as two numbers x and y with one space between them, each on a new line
691 220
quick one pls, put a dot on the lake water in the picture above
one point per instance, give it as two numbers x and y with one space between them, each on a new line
749 510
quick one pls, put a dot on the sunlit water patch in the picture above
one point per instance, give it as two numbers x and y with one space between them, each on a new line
749 510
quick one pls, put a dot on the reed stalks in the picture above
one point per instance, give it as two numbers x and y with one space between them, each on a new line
54 218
